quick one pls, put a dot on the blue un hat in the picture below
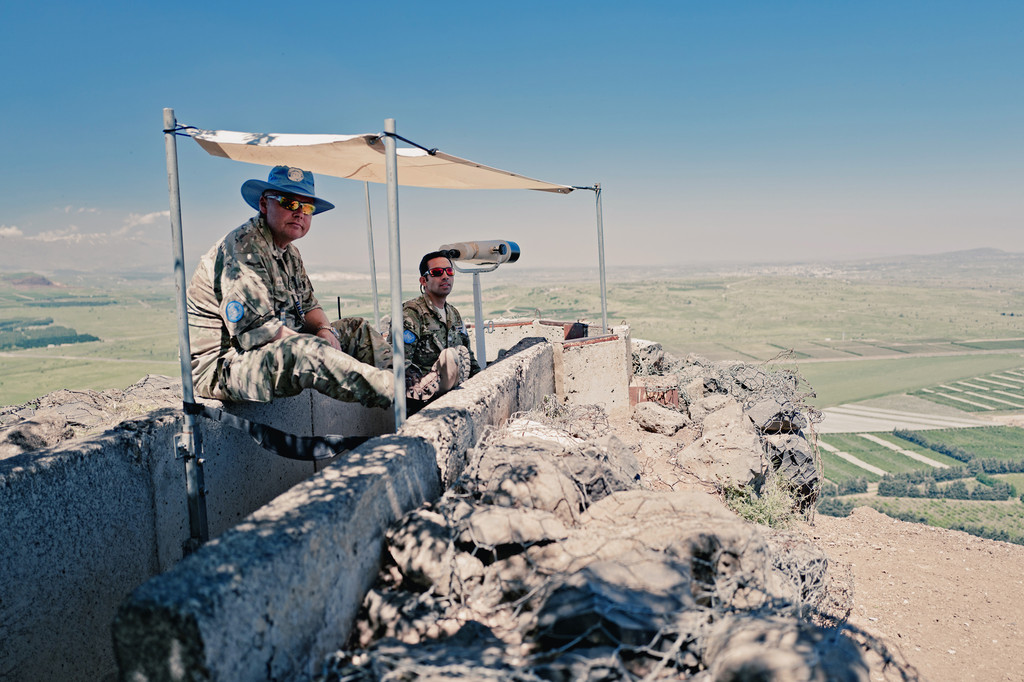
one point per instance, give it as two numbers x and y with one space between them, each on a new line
287 179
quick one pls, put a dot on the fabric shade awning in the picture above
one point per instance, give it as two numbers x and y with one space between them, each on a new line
362 157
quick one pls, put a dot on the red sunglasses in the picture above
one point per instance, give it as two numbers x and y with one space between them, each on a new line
437 272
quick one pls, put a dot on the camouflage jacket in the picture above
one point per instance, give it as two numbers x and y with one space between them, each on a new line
243 290
425 335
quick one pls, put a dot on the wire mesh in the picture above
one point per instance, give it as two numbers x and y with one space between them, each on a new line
557 556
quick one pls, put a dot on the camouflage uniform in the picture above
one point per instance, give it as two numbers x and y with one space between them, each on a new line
426 335
243 291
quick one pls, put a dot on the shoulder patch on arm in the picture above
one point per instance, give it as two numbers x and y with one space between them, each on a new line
234 311
408 336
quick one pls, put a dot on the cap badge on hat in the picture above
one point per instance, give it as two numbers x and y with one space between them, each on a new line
295 174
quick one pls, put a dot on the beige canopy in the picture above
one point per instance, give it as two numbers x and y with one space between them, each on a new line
361 157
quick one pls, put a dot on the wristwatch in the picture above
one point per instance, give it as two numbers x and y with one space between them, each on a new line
329 328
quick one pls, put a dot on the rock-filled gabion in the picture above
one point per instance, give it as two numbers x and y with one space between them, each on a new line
554 563
712 395
554 558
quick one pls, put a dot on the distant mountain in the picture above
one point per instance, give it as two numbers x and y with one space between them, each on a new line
982 254
22 279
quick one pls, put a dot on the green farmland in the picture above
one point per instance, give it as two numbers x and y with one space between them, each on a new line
134 322
847 381
854 331
945 329
987 519
1003 519
990 442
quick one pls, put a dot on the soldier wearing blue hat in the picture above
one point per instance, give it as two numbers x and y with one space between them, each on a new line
257 331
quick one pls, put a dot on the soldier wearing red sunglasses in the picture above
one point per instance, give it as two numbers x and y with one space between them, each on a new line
437 351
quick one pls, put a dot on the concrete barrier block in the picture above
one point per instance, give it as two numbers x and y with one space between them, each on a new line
501 335
240 474
454 422
78 534
278 592
596 371
87 522
333 417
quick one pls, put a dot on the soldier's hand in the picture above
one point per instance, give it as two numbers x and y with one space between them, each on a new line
330 338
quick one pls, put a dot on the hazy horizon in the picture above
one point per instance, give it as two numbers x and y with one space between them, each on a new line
322 273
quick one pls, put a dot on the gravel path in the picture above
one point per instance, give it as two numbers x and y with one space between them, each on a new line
857 418
951 602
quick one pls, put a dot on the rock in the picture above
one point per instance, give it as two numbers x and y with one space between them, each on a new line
525 472
774 415
422 548
693 391
746 647
643 505
792 457
648 357
659 419
602 468
606 605
701 408
729 451
40 431
491 527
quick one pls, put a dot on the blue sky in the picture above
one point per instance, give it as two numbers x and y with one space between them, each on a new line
729 131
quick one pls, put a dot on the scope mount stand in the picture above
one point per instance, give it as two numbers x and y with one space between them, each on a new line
478 309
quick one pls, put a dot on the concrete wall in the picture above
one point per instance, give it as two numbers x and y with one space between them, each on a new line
283 587
274 595
596 371
83 525
78 532
454 423
500 336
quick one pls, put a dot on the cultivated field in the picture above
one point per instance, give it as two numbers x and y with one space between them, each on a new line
869 457
854 331
944 331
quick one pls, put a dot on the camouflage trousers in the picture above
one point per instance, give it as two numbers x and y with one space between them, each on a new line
449 370
360 340
360 372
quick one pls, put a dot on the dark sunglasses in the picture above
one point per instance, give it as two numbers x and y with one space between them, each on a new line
289 204
437 272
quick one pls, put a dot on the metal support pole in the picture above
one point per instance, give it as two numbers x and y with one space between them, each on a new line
600 251
189 442
478 321
397 343
373 262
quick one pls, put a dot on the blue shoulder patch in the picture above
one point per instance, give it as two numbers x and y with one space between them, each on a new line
234 311
409 337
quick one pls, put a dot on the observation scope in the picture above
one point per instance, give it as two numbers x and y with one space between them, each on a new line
491 252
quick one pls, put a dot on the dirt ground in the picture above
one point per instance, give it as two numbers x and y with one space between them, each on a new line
952 603
948 603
